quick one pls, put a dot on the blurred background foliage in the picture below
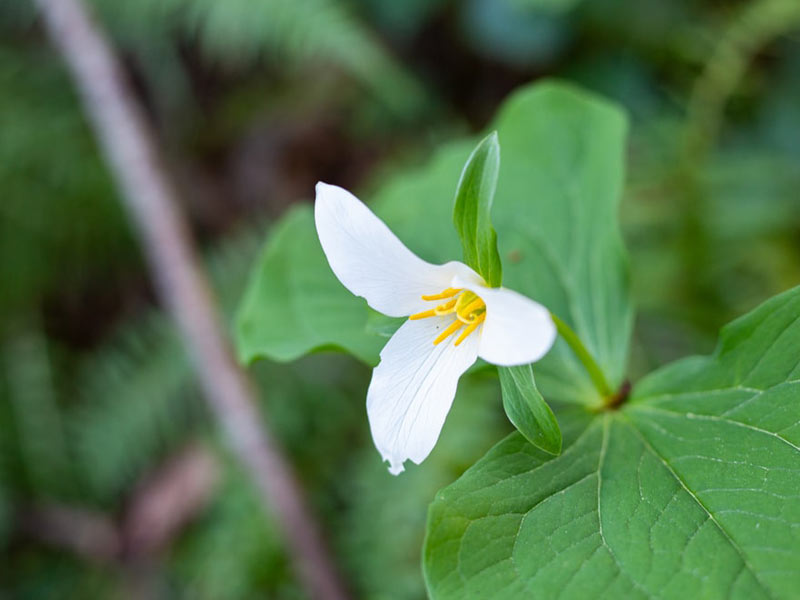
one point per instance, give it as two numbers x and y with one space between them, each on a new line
254 101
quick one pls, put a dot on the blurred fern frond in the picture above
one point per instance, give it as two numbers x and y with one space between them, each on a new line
59 223
6 518
235 551
136 403
289 33
138 396
32 395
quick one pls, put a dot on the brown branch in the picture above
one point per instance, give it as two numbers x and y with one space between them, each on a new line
131 151
168 499
92 535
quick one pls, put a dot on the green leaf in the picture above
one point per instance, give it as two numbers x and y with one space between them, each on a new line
556 218
690 490
554 212
294 303
527 410
472 211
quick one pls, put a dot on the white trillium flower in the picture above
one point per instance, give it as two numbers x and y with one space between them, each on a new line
453 318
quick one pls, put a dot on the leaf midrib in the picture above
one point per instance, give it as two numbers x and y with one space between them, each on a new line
600 461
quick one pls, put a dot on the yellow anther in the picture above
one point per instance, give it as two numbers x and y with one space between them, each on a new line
423 315
454 326
448 293
442 309
470 328
446 308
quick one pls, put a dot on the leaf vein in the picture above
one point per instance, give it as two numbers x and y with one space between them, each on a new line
711 517
721 419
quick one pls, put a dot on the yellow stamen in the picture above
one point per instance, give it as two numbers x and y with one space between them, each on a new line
448 293
455 326
443 309
469 309
446 308
423 315
470 328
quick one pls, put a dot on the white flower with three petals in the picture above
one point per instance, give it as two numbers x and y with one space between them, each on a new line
453 318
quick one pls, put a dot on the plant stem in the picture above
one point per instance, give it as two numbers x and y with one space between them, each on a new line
589 363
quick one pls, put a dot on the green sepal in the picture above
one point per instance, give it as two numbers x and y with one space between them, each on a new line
527 409
473 205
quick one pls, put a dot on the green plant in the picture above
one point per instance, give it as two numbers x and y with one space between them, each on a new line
685 480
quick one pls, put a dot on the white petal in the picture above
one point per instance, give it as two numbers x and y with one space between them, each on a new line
517 330
412 389
370 260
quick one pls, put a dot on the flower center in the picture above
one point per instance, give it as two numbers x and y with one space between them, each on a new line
469 309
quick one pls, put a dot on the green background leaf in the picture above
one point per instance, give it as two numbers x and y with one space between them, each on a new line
295 304
556 203
527 410
690 490
473 207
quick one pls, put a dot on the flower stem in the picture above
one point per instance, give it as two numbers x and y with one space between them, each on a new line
584 356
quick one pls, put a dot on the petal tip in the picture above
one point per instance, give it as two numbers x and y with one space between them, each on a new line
396 468
322 188
335 201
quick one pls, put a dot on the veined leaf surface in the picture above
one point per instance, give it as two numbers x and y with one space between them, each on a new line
690 490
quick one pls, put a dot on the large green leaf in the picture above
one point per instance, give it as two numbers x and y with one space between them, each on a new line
555 216
295 304
692 489
556 219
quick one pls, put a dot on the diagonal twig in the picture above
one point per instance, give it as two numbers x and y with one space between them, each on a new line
130 149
